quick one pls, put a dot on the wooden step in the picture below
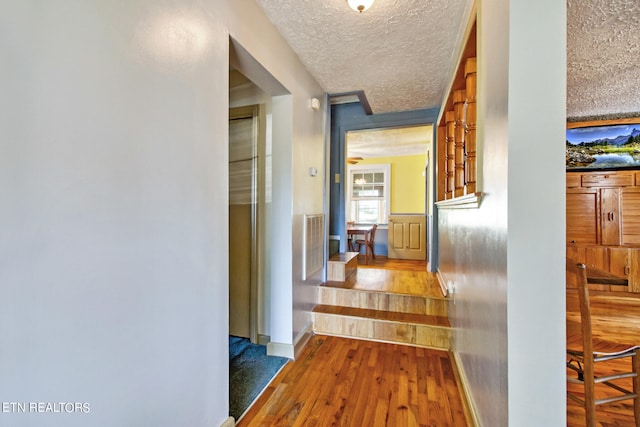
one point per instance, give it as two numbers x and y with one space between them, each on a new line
380 325
387 301
342 266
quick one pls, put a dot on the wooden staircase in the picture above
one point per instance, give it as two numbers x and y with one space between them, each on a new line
395 306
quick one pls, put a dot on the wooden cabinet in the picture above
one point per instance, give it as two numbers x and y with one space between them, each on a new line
603 223
610 216
603 216
606 179
630 215
618 260
583 211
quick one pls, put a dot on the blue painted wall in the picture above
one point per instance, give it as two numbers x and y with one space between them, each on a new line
347 117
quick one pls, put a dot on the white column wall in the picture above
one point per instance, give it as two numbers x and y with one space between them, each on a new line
507 257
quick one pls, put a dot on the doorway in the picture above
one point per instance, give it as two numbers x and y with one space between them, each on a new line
246 183
387 183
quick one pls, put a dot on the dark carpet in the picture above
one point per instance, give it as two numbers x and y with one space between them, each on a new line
250 370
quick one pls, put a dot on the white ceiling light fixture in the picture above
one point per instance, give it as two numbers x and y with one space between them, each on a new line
360 5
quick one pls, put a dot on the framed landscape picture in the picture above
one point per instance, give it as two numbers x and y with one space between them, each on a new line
603 145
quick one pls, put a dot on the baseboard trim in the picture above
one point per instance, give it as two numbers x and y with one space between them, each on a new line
467 401
280 349
290 351
229 422
302 339
442 283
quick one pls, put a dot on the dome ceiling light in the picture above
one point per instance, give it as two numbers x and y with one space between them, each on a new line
360 5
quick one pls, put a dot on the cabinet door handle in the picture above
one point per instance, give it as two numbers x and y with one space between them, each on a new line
610 216
627 270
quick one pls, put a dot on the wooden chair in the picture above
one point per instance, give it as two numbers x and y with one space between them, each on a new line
368 244
350 236
583 351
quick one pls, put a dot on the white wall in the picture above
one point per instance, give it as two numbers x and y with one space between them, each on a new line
113 204
507 258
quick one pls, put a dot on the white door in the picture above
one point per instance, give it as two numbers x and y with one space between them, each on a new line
407 237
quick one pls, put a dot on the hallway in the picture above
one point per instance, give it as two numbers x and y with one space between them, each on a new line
355 382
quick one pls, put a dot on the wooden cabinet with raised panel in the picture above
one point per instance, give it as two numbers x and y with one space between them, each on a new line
603 223
618 260
630 215
610 216
602 215
583 211
606 179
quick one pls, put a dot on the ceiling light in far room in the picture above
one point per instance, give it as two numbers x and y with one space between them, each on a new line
360 5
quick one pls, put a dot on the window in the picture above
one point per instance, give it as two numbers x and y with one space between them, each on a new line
368 194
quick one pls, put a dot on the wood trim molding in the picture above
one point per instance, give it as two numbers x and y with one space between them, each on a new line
302 339
622 121
463 384
470 201
442 283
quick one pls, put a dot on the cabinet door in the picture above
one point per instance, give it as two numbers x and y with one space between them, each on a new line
573 179
610 203
575 253
630 216
634 270
597 257
620 265
583 207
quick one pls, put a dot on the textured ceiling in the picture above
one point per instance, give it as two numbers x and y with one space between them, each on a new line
603 58
401 53
406 141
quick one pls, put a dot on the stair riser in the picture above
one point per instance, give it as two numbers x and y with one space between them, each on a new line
383 301
382 330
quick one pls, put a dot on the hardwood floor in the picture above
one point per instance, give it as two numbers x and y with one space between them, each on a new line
339 381
406 277
392 264
346 382
395 301
615 316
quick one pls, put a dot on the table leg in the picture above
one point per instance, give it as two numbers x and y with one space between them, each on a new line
366 248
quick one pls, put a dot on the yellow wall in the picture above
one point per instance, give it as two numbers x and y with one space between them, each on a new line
407 182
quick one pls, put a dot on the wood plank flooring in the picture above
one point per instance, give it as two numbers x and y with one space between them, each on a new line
392 263
615 316
339 381
396 276
346 382
394 301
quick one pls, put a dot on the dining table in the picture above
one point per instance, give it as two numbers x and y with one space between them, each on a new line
354 230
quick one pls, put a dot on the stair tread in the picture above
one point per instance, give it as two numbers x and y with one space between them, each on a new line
413 283
347 286
393 316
